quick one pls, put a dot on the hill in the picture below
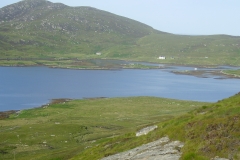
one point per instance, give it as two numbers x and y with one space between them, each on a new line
96 128
64 129
39 27
38 32
207 132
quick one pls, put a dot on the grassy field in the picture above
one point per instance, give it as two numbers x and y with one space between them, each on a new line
233 72
209 131
66 129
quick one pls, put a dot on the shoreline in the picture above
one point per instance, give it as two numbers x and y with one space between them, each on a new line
6 114
145 67
122 66
219 74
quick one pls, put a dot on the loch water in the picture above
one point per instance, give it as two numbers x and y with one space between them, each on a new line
28 87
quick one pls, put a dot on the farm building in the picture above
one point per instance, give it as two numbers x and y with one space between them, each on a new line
161 57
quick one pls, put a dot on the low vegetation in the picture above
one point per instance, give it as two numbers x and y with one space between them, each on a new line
209 131
96 128
65 129
235 73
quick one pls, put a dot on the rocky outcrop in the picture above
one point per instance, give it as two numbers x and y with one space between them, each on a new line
6 114
146 130
217 158
23 11
163 149
34 15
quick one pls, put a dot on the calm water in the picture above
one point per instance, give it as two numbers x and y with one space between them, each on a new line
27 87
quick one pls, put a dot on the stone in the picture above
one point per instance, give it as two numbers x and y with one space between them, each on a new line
163 149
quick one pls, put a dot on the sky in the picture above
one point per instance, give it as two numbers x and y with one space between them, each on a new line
188 17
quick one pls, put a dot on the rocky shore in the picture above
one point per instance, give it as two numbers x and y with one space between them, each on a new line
6 114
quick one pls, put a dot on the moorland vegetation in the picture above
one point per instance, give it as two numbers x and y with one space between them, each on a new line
38 32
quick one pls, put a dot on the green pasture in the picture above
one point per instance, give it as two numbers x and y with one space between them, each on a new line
64 130
210 131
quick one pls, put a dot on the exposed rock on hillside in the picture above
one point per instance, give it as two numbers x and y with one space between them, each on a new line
20 11
146 130
163 149
42 14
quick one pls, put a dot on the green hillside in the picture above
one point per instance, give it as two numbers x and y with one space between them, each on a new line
95 128
34 32
65 129
208 132
44 28
209 50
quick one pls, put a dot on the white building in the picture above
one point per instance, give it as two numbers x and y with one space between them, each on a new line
161 57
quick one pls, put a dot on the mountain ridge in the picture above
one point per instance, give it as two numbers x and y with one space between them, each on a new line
16 10
25 11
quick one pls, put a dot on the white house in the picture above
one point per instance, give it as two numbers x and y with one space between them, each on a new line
99 53
161 57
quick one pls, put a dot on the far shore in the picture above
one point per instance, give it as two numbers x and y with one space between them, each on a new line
88 64
218 74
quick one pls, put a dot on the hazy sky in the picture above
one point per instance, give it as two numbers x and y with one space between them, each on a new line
193 17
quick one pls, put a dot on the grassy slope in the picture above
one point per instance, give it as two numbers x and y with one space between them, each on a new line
190 50
202 50
80 32
210 131
64 130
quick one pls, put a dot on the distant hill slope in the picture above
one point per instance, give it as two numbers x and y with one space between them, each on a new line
41 29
